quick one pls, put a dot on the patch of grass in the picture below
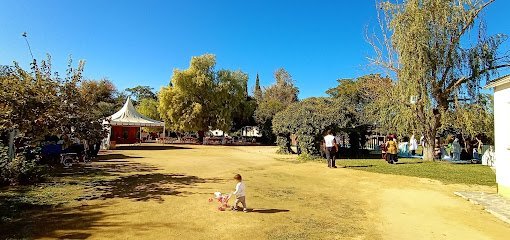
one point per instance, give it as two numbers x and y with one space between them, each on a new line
442 171
307 157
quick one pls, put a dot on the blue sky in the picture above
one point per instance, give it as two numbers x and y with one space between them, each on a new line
141 42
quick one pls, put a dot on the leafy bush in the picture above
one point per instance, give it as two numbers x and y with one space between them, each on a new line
18 170
283 142
309 119
308 157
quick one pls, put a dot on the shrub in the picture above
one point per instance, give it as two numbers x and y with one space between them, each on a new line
18 170
308 157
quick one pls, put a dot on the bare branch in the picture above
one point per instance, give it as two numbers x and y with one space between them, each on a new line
455 40
454 84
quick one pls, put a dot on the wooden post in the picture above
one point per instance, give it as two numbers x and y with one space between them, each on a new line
164 133
140 134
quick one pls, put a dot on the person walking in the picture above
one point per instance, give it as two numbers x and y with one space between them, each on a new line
331 148
391 146
413 145
456 149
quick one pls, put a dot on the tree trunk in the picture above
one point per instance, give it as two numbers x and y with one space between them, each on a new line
428 152
428 149
201 135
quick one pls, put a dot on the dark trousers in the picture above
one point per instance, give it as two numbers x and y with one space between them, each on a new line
392 158
331 155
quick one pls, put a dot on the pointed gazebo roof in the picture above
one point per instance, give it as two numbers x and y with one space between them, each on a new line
128 116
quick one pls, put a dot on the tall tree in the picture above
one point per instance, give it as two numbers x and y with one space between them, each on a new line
201 97
308 119
438 57
141 92
101 95
257 92
149 108
274 99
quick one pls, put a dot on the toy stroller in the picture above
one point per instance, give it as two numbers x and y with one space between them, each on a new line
222 199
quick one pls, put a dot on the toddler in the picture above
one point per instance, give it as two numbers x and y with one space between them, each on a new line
240 193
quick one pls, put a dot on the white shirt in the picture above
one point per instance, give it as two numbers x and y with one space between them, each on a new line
329 139
240 190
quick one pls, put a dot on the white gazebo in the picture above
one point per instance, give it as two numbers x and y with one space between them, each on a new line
502 133
127 122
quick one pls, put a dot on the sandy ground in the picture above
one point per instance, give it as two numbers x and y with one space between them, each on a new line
162 194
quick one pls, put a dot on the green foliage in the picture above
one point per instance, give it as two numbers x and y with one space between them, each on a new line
283 142
274 99
141 92
243 116
309 119
101 95
18 170
201 97
472 174
308 157
359 96
149 108
29 100
257 92
471 119
440 58
41 103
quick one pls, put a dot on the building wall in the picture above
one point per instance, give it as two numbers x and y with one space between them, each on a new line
502 137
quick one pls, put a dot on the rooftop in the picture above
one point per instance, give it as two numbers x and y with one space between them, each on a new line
498 82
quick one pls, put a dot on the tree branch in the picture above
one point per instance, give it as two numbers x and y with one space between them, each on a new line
455 40
462 80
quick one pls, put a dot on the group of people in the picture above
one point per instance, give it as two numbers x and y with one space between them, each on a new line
389 150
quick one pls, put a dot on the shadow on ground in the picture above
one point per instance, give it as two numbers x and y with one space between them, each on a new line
113 156
408 163
144 187
272 210
28 216
44 221
150 147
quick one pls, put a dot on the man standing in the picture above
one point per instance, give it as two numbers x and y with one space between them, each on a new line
331 147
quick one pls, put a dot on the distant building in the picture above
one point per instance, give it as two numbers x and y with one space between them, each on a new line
216 133
502 133
251 131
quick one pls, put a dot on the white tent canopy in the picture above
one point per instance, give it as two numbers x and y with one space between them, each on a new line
128 116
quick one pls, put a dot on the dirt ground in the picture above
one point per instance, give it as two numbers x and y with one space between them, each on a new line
162 193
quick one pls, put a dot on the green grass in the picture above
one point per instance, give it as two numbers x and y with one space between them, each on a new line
442 171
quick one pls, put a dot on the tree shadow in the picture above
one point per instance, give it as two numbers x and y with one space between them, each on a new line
104 168
112 156
150 147
360 166
400 163
271 210
24 216
45 221
144 187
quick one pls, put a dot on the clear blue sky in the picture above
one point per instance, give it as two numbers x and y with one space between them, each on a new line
141 42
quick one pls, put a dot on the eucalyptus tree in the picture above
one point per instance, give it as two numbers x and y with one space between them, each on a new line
439 53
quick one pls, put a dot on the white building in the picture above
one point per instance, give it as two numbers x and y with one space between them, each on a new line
216 133
502 133
251 131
